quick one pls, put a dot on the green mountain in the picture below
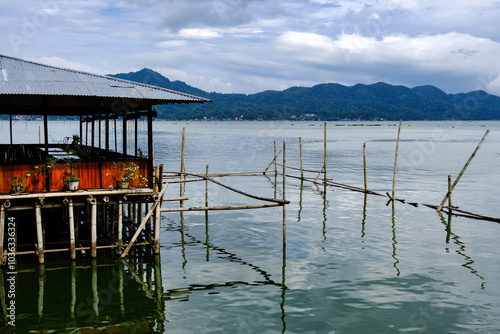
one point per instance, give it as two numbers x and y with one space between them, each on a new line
327 101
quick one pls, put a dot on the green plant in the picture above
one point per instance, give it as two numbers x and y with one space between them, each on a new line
72 176
128 171
20 180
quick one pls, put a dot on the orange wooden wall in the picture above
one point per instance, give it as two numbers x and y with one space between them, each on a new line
92 174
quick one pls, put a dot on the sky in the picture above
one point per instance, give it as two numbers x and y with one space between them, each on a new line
248 46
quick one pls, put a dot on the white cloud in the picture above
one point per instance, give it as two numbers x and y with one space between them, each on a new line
199 33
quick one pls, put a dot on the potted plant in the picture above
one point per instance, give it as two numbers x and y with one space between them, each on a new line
18 182
128 171
72 181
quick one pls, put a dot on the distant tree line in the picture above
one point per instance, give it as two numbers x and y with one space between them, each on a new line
329 102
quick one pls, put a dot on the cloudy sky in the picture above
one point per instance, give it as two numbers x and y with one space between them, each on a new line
247 46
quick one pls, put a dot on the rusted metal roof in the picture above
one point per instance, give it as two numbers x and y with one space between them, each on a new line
21 77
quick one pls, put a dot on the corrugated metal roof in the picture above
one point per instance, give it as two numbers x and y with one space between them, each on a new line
21 77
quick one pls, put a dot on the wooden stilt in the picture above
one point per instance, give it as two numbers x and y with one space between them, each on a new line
301 161
463 169
206 187
120 225
183 166
395 163
71 229
449 191
2 229
364 165
93 229
284 192
39 233
144 221
324 154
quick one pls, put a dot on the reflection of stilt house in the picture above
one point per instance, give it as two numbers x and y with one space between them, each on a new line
43 208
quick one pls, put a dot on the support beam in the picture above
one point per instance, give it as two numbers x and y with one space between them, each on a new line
120 226
150 146
39 233
93 228
71 229
2 229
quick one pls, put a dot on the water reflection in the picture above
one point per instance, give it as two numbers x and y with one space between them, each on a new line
396 260
86 295
461 248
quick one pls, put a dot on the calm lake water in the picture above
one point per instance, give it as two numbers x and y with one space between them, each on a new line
353 263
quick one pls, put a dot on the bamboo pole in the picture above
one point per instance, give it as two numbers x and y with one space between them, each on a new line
183 167
95 291
71 229
222 208
206 187
463 169
395 163
93 230
39 233
449 191
301 161
323 170
144 221
275 168
324 154
272 162
120 225
2 229
364 166
276 200
284 192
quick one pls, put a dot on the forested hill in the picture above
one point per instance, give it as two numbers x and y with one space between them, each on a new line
327 101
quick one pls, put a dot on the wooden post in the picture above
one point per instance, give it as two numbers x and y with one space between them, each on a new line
10 126
144 221
364 165
284 192
2 229
120 225
301 161
275 167
463 169
39 233
449 191
395 163
93 228
71 229
324 155
206 187
183 167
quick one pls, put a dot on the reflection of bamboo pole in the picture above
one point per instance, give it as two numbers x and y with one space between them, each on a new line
41 289
324 155
221 208
284 193
95 292
463 169
364 165
395 163
73 290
